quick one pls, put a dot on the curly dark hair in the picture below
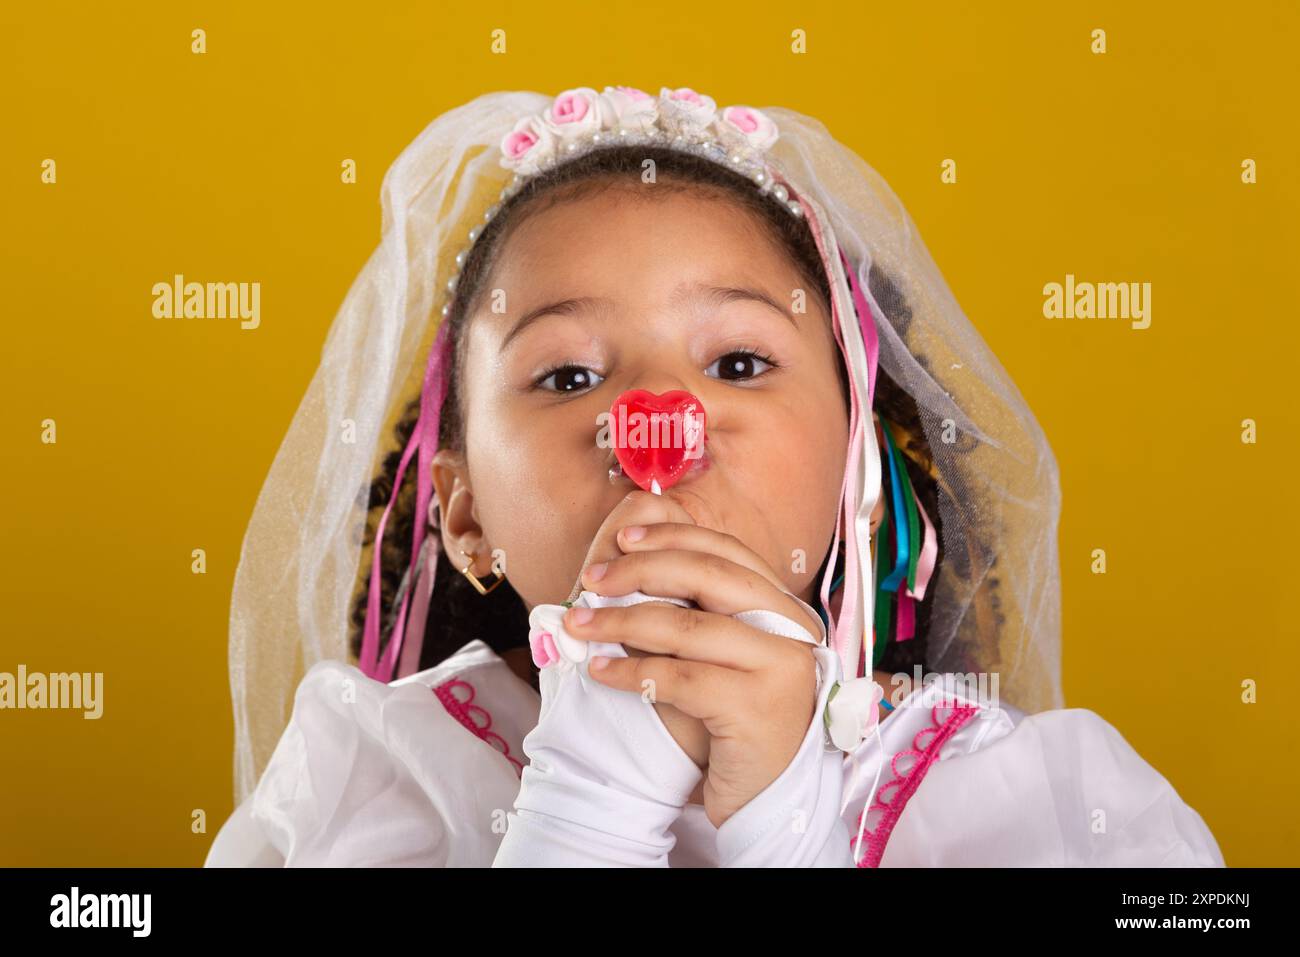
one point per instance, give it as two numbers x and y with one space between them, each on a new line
457 612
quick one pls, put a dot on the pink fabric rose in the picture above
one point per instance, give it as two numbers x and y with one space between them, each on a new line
549 642
543 647
745 128
576 113
527 147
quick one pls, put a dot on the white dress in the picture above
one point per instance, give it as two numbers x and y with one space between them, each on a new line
426 772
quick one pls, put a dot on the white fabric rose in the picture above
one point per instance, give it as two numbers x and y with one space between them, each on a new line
685 111
633 109
851 711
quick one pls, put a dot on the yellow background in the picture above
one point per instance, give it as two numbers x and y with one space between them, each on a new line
225 167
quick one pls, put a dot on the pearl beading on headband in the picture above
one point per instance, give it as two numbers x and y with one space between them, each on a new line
581 121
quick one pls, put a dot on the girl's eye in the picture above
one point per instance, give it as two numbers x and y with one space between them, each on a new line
569 378
739 365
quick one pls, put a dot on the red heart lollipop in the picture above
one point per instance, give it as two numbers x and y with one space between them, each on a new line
657 437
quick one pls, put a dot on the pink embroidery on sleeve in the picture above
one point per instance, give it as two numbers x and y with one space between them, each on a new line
465 711
893 796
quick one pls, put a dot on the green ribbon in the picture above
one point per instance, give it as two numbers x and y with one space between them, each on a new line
884 607
913 519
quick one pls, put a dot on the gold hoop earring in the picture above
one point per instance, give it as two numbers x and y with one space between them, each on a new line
478 585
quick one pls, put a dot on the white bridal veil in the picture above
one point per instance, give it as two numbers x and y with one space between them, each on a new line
301 564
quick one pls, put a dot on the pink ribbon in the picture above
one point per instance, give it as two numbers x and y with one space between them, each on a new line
419 616
868 326
906 617
425 438
929 551
930 548
849 492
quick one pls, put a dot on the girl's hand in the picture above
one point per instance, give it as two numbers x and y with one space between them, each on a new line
753 692
645 508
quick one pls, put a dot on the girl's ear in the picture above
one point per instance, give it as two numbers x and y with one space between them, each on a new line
458 523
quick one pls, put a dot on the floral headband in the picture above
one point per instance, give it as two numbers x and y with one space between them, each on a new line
581 120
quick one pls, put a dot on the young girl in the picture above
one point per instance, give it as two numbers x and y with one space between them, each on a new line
846 612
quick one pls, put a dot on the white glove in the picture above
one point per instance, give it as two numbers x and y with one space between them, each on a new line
606 779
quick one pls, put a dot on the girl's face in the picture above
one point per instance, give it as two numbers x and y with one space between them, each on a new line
634 274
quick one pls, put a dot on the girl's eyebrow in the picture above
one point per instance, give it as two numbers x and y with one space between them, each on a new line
698 294
565 307
715 296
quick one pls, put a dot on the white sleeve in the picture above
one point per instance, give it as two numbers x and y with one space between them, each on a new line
369 775
242 843
795 821
1064 789
605 779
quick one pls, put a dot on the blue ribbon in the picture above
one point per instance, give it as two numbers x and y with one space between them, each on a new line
902 560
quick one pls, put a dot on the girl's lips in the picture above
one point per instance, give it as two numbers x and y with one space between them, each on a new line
700 464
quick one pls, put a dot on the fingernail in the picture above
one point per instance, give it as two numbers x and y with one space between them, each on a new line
580 616
598 663
596 572
634 533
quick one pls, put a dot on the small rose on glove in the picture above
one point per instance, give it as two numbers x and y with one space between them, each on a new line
549 642
852 711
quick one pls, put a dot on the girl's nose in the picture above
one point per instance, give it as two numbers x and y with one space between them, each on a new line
657 381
